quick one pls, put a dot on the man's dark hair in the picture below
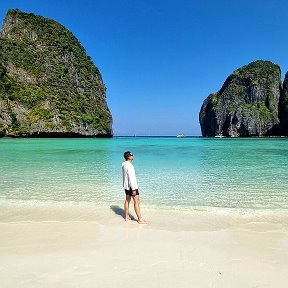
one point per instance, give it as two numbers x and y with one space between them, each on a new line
127 154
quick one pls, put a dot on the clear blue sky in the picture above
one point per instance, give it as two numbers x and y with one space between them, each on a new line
160 59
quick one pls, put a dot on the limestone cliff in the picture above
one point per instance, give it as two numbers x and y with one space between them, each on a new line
283 108
48 85
246 105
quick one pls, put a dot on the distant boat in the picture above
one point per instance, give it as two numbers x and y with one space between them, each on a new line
219 136
181 136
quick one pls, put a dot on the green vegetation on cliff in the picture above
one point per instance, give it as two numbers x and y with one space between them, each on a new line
259 72
47 82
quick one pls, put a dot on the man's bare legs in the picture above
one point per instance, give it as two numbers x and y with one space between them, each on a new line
126 207
136 201
137 209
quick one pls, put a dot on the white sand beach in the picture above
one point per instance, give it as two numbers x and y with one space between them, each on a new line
90 247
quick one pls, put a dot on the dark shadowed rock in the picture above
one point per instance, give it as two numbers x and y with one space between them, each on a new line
283 108
246 105
49 87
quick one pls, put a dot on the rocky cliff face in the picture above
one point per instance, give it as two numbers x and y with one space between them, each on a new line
48 85
283 108
246 105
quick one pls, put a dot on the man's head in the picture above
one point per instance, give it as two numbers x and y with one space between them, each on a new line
128 155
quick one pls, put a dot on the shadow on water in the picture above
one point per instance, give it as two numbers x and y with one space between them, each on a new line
120 211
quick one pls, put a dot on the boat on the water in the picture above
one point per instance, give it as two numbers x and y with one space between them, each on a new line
181 136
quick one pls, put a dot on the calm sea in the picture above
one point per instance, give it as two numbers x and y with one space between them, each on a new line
188 173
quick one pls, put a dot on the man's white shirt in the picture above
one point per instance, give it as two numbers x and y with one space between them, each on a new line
129 176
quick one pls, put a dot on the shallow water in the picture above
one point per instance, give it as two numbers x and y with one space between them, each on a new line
189 173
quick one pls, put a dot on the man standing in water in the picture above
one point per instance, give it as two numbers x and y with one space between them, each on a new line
131 187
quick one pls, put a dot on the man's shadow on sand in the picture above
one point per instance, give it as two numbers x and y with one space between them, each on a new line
120 211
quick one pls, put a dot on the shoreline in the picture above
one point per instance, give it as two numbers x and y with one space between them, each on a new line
14 211
50 204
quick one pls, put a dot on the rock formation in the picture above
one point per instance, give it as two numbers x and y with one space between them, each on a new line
246 105
283 108
48 85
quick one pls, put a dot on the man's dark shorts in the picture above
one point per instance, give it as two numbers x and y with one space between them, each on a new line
130 192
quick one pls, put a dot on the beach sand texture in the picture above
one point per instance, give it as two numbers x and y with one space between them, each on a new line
84 247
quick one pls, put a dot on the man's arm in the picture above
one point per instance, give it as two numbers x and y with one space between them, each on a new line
132 179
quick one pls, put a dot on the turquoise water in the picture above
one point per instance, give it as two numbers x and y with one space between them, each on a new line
174 173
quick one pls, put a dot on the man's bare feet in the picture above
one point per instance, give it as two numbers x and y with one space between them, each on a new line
142 221
127 218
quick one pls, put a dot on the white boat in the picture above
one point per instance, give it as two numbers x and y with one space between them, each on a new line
180 136
219 136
